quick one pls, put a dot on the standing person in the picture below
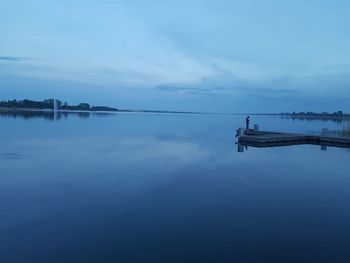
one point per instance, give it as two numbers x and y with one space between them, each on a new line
247 120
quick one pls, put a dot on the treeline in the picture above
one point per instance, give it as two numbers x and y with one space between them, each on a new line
315 114
52 104
20 104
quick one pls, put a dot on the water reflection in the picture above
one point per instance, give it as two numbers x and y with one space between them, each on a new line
48 115
241 148
11 156
316 118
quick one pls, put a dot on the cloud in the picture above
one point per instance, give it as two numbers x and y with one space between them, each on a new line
13 59
183 89
274 91
217 90
183 5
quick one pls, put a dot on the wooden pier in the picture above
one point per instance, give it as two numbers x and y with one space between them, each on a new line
256 138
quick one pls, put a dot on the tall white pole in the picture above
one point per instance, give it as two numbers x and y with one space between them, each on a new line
55 108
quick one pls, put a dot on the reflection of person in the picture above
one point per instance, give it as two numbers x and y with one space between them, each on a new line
247 120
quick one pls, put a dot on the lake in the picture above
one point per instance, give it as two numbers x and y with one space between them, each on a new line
127 187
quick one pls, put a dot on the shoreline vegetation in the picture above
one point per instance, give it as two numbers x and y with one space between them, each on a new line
335 116
49 105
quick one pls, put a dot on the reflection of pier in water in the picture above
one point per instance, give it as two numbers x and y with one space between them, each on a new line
263 139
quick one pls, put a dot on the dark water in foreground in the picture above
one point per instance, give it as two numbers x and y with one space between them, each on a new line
168 188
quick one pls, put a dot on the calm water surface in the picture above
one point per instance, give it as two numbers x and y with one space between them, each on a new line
168 188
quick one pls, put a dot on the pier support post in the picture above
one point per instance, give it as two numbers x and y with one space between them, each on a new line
241 132
240 148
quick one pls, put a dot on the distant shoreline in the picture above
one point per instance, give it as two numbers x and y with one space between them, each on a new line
4 109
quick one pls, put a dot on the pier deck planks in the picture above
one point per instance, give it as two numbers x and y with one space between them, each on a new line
271 139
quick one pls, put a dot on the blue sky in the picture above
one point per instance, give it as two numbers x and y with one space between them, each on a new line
219 56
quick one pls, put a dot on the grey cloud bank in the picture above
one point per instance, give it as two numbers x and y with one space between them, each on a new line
9 58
